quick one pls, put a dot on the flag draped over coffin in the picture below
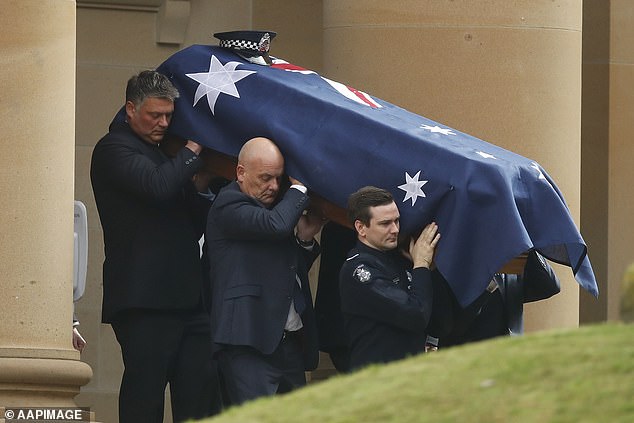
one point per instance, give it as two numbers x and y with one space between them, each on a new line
491 205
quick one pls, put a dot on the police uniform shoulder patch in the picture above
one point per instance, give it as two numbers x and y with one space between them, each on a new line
361 274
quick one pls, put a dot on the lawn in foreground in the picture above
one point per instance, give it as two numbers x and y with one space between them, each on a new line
574 375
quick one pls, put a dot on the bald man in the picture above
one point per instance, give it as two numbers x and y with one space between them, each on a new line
260 245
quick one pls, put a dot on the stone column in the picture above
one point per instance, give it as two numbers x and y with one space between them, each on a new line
608 104
38 366
598 172
506 72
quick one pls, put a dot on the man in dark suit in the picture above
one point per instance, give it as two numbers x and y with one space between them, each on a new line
499 311
263 323
152 218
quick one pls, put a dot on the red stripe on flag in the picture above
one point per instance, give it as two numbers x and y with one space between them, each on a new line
288 66
363 97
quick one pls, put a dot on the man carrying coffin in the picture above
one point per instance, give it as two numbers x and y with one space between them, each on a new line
386 300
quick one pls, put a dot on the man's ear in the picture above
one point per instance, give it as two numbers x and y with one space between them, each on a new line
240 172
360 227
130 109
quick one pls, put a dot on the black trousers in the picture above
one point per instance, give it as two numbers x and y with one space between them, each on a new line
161 347
249 374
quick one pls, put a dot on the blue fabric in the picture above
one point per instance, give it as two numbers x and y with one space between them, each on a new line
491 204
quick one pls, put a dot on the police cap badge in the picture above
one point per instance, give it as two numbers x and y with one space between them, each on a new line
247 43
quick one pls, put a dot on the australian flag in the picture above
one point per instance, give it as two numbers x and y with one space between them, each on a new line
491 204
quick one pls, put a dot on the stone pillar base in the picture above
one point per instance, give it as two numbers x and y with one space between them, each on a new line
41 382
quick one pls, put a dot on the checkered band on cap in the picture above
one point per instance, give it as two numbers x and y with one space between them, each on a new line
239 44
262 46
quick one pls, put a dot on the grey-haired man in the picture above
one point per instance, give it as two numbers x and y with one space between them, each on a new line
152 218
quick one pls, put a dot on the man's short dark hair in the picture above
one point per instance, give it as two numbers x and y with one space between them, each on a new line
149 83
359 203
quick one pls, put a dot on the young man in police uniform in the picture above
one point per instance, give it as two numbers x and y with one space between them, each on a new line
386 299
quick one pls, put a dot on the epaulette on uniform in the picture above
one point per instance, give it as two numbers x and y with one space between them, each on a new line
352 257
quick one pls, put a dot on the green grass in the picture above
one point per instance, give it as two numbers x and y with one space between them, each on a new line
576 375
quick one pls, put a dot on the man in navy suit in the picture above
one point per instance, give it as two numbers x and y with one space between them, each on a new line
260 245
152 218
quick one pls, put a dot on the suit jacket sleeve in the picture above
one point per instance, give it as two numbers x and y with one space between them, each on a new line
243 217
129 166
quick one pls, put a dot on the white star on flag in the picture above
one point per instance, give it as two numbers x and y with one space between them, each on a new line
413 187
218 80
536 167
437 129
486 155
